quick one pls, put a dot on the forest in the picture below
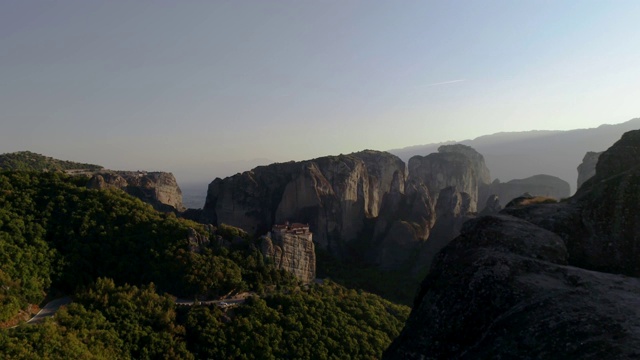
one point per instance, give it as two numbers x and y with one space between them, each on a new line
124 264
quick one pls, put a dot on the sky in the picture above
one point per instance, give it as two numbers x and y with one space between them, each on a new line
208 88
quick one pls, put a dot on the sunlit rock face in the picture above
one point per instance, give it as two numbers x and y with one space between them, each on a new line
334 195
159 189
456 166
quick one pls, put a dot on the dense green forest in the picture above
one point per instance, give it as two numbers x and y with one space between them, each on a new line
124 263
29 161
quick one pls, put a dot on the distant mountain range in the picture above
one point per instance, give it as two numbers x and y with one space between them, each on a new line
516 155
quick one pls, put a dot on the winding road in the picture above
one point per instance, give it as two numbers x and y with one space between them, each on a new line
49 310
51 307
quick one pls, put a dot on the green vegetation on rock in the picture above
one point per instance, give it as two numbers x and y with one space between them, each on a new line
29 161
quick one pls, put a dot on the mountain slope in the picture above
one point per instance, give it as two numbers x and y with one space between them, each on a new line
29 161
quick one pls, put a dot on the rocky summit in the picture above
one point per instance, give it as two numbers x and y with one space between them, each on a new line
538 281
458 165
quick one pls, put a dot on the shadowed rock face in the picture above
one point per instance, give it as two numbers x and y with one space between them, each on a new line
537 185
160 189
334 194
502 290
587 168
521 284
404 223
492 206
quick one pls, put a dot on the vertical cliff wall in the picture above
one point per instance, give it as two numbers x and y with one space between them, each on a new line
334 194
291 252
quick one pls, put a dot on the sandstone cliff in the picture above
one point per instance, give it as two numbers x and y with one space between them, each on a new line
291 252
160 189
404 223
334 194
453 165
521 284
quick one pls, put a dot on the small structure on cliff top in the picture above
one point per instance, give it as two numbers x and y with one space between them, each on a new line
291 248
295 228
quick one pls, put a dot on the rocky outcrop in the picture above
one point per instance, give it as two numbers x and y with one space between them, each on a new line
381 171
404 223
454 165
160 189
587 168
291 252
334 194
537 185
502 290
522 284
452 211
481 169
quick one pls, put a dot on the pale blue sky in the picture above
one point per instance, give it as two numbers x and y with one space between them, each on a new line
194 86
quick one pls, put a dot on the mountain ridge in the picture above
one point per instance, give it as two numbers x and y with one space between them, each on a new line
517 155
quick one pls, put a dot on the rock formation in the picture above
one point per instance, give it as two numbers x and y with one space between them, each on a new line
160 189
587 168
334 194
453 165
521 284
291 248
452 211
404 222
481 169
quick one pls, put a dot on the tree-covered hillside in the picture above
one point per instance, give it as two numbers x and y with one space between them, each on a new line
29 161
123 263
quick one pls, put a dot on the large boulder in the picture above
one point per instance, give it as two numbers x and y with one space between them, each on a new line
502 290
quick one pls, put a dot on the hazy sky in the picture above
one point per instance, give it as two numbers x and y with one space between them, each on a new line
194 87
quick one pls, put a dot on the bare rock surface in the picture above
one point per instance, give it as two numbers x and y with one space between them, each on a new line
160 189
587 168
334 194
454 165
522 284
292 252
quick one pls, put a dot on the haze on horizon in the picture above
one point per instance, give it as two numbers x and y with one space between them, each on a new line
199 87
